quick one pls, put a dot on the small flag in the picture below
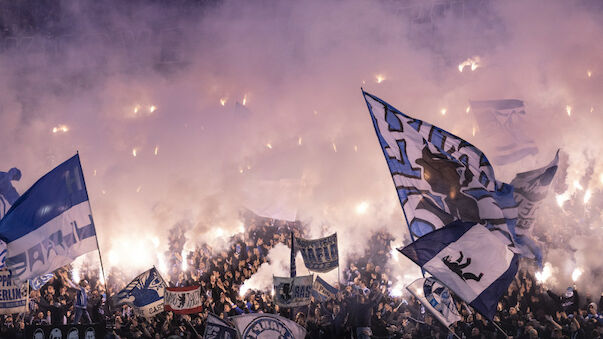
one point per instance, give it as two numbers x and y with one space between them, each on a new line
183 300
502 122
322 291
264 325
145 293
217 328
50 225
467 258
436 298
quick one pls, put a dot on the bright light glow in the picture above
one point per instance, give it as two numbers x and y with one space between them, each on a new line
589 73
576 274
379 78
219 232
299 141
244 288
184 261
545 274
334 147
134 151
394 254
443 111
152 108
223 101
587 196
578 186
241 227
468 109
155 241
156 150
568 109
272 291
397 290
245 100
101 277
473 131
592 109
472 62
136 109
362 207
355 148
75 274
60 129
562 198
269 145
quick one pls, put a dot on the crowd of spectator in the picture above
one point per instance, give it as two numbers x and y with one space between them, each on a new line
364 306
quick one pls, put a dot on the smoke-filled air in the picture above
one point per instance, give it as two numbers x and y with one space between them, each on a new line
186 116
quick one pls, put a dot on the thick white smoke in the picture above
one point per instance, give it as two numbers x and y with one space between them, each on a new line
185 118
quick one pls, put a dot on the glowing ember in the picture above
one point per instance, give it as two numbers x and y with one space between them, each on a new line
443 111
60 129
134 151
362 207
379 78
576 274
562 198
152 109
223 101
472 62
545 274
269 145
568 109
587 196
156 150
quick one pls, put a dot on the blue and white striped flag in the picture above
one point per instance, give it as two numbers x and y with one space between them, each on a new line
502 122
38 282
50 225
468 259
440 177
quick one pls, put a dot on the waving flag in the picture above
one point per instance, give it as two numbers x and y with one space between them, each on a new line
37 282
145 293
440 177
470 260
183 300
502 121
530 189
292 292
322 291
264 325
49 225
436 298
217 328
320 255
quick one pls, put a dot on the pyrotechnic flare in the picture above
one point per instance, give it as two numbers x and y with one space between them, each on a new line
545 274
60 129
443 111
576 274
379 78
473 62
568 109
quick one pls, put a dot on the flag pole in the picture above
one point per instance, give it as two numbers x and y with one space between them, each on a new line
412 237
498 327
107 299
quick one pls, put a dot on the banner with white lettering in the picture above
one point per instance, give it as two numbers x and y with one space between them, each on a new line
50 225
322 291
320 255
14 298
293 292
183 300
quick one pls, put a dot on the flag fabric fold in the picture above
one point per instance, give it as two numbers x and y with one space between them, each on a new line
440 177
50 225
322 291
145 293
468 259
264 325
436 298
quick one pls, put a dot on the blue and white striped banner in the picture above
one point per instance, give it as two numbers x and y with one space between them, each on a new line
50 225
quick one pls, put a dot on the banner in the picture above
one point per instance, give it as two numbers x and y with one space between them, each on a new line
145 294
50 225
267 326
216 328
38 282
14 298
501 121
322 291
292 292
467 258
436 298
183 300
320 255
440 177
72 331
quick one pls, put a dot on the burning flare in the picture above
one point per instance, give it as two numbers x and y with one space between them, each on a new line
576 274
472 62
379 78
60 129
545 274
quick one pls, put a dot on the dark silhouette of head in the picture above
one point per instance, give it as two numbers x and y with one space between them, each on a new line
14 174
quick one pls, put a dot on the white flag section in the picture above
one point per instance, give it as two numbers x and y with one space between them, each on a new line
145 294
293 292
183 300
50 225
14 297
470 260
501 121
436 299
267 326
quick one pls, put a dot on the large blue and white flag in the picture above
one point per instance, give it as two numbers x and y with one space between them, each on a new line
470 260
440 177
320 255
322 291
502 122
145 294
530 189
216 328
49 225
264 325
37 282
436 298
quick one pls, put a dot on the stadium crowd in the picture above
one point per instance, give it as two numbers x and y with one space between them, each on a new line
364 307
